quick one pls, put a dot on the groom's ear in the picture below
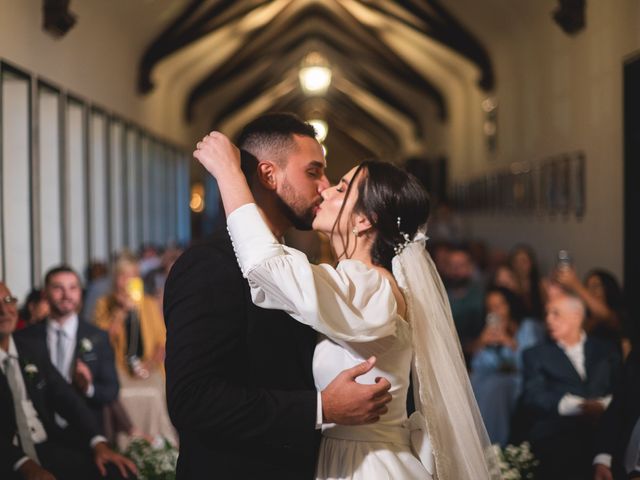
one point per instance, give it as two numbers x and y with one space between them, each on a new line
266 174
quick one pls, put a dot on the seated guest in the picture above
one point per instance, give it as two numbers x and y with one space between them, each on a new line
79 351
137 333
34 310
154 280
31 390
602 295
496 362
134 322
465 295
522 260
568 381
98 285
503 276
618 440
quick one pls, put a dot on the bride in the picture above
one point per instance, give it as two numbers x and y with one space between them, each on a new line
384 298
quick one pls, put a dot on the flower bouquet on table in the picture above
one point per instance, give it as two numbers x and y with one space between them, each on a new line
517 462
155 461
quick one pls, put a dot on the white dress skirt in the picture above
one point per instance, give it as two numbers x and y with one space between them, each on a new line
354 310
382 450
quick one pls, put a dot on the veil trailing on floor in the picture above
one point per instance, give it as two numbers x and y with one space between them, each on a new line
443 394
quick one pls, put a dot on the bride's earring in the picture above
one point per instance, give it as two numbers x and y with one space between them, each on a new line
355 231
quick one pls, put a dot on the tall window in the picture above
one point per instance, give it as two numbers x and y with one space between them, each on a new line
16 181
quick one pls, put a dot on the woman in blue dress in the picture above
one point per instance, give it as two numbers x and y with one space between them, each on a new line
497 361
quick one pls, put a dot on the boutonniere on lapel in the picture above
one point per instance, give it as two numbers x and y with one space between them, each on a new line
30 370
85 345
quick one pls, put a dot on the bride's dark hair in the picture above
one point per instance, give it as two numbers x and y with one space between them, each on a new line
385 193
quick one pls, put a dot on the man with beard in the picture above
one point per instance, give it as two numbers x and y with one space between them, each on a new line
240 386
79 351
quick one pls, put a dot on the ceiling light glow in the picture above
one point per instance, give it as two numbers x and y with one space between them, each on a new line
321 127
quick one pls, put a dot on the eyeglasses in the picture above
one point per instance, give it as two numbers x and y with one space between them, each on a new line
9 300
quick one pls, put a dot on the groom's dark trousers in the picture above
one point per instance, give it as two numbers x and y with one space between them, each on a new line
239 381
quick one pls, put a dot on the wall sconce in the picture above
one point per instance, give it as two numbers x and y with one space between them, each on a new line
197 198
315 74
490 125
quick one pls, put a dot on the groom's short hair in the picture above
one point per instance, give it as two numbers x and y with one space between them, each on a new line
270 136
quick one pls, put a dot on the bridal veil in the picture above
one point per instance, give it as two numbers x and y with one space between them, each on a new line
443 394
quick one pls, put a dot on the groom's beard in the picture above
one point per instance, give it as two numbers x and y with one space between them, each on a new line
293 208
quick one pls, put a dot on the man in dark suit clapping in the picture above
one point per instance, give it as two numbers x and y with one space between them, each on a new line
568 381
79 351
31 390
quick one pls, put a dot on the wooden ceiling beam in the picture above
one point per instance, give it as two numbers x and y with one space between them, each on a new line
185 30
360 73
325 29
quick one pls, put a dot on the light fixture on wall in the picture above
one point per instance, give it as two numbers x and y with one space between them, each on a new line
197 198
321 127
490 124
57 18
315 74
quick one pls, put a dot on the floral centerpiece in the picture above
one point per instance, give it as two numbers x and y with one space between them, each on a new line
517 462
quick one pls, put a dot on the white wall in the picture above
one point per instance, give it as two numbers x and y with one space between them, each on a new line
97 60
15 185
558 93
76 203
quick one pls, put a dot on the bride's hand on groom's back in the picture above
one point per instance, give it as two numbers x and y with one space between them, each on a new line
347 402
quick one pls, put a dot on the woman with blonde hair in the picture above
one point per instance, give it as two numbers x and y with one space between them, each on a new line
137 333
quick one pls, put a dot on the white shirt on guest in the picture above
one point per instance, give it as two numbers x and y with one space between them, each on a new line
571 404
38 433
69 333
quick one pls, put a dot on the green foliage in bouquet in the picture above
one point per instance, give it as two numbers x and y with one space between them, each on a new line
154 462
517 462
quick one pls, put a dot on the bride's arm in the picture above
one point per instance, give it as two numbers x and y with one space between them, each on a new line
353 303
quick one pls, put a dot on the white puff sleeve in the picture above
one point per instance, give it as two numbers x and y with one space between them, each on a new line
352 303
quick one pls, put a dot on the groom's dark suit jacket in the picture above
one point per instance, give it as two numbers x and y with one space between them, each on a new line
240 386
99 360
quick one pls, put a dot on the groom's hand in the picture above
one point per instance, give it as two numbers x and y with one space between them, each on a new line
347 402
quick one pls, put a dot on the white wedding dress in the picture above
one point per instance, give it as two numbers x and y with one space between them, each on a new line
354 310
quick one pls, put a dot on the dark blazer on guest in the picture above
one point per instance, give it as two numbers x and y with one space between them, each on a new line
620 418
99 359
564 443
49 393
240 385
549 375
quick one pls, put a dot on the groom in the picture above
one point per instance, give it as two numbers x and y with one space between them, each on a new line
240 386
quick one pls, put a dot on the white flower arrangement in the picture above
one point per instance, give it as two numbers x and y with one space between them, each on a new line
155 461
517 462
86 345
30 369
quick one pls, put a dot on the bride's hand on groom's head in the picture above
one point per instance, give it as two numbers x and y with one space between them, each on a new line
217 154
347 402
